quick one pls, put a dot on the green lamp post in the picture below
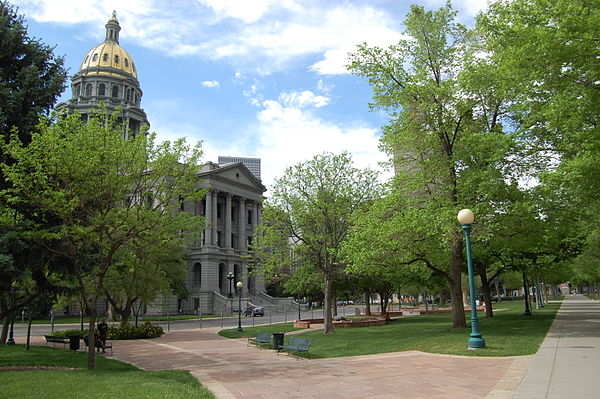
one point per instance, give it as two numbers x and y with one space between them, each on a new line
466 217
239 286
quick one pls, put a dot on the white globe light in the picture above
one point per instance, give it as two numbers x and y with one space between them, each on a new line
239 284
465 216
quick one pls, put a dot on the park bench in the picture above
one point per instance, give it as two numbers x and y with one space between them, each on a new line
51 339
261 338
98 345
297 344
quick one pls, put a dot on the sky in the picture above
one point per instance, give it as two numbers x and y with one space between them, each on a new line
252 78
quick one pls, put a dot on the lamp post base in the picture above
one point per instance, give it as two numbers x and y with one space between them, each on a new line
527 313
240 329
10 341
476 343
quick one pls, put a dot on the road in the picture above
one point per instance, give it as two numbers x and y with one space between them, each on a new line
20 329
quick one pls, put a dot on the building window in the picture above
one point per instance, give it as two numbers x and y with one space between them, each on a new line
115 91
88 89
249 216
116 59
105 57
87 57
219 239
95 58
77 90
101 89
197 275
128 97
219 211
126 62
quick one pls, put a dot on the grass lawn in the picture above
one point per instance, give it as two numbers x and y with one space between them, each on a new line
508 333
110 379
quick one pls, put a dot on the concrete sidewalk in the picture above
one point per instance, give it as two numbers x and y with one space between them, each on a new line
568 362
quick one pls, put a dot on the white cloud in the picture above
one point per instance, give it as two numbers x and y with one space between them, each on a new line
211 84
290 133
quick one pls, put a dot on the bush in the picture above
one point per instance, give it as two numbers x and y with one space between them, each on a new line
129 331
66 333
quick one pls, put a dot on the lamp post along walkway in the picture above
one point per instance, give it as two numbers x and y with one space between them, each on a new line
239 286
466 217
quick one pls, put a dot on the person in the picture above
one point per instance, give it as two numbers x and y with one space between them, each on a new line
103 333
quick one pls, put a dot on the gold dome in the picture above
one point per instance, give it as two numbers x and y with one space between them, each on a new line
110 55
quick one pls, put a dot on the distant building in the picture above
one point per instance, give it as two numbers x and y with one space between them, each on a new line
232 207
253 164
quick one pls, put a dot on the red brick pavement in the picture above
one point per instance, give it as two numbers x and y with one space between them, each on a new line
232 370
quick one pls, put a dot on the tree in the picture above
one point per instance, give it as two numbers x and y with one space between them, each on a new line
31 76
445 139
309 217
107 192
31 79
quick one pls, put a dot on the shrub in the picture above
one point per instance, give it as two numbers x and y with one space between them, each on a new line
129 331
66 333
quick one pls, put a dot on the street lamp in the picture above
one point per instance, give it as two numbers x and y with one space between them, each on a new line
230 278
299 317
11 340
466 217
239 285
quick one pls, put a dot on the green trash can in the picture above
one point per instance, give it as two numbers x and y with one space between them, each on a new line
74 342
278 340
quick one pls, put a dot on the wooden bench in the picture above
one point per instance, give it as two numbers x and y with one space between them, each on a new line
297 344
98 345
261 338
57 340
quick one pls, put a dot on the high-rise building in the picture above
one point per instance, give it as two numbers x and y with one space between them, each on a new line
253 164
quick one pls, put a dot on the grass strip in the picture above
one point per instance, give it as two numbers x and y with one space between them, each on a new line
508 333
110 379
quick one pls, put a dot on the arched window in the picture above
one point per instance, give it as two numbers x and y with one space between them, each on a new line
105 57
95 57
126 62
77 90
88 89
87 57
197 275
128 97
116 59
136 99
101 89
115 91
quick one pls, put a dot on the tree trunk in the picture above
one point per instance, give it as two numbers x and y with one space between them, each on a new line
5 326
442 295
497 286
327 309
27 344
458 310
91 341
367 302
487 291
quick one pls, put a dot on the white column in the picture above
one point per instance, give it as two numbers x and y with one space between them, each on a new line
227 216
208 216
242 224
254 217
215 194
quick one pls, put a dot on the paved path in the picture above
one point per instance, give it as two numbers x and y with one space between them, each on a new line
232 370
568 362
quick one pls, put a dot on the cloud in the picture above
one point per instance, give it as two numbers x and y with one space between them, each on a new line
262 36
290 132
210 84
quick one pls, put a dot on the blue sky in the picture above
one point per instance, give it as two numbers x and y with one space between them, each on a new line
257 78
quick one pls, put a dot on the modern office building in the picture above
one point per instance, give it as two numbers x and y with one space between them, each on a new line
253 164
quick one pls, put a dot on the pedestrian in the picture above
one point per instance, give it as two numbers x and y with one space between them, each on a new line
103 333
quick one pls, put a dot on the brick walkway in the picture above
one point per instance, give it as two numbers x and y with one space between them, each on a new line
231 370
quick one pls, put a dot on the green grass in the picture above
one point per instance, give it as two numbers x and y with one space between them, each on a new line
110 379
596 297
508 333
251 331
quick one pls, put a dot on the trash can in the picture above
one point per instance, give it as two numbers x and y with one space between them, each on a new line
74 342
278 340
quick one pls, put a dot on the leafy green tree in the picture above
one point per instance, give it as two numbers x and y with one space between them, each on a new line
309 217
31 76
107 192
446 139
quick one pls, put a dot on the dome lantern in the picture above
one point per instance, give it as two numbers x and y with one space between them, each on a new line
113 28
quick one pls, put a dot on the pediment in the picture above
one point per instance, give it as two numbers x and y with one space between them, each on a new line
234 174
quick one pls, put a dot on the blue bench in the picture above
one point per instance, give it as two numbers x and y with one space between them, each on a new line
297 344
261 338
